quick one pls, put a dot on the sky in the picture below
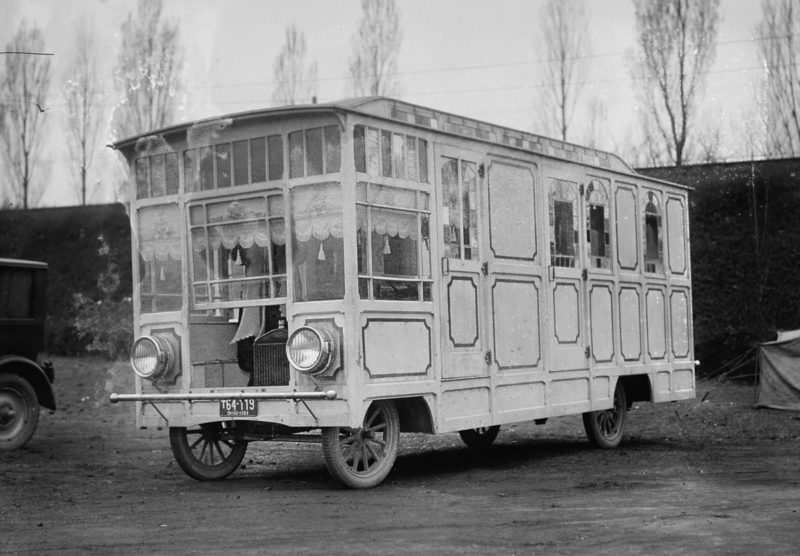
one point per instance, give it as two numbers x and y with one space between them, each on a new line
477 58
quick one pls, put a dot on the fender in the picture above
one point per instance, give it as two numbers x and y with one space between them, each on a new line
37 375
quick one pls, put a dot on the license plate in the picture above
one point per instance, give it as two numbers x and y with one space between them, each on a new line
245 407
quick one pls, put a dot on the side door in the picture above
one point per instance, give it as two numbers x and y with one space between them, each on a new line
463 298
567 292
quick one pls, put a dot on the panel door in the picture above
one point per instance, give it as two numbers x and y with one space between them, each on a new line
567 304
463 282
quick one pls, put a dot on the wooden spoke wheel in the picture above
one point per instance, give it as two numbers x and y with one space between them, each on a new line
19 411
479 438
605 428
207 452
363 457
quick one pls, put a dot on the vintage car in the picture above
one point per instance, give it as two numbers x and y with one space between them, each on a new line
25 380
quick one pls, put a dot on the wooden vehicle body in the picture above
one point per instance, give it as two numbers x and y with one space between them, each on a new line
432 273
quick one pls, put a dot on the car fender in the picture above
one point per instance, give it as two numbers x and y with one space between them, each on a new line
34 374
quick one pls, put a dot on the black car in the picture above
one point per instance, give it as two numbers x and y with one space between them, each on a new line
25 381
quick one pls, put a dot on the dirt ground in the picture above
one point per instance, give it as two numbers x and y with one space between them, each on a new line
705 476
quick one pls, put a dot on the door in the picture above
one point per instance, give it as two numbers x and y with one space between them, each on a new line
463 274
567 329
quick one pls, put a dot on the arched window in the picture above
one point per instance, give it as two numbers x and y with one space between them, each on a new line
598 236
653 237
563 213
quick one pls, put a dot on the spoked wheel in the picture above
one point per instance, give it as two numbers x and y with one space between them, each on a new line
19 411
206 452
363 457
479 438
605 428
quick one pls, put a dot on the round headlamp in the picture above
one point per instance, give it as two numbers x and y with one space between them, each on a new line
309 350
151 357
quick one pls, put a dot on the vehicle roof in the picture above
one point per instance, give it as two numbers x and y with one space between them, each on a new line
22 263
420 116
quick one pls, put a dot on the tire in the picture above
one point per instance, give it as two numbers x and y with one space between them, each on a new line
606 428
363 457
204 453
479 438
19 411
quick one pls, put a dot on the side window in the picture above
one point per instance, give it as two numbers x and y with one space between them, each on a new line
394 258
563 223
16 289
598 237
380 153
653 235
460 209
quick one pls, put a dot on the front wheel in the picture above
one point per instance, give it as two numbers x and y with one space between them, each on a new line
605 428
19 411
363 457
206 452
479 438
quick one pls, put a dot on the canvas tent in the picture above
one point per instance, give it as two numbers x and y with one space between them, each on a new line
779 372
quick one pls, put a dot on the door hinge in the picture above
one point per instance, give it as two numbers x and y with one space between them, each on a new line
587 352
488 357
585 274
445 266
481 170
581 189
485 268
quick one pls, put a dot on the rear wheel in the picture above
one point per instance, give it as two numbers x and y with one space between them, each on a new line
206 452
481 437
605 428
363 457
19 411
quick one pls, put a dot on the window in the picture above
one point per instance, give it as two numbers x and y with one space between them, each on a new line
238 250
381 153
563 221
317 245
598 238
16 293
160 261
238 163
653 240
156 175
394 257
460 209
314 151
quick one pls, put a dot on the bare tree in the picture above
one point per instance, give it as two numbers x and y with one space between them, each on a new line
82 92
376 46
677 44
296 79
564 39
778 35
23 93
148 72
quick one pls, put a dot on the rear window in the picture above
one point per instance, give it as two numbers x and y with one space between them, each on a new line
16 287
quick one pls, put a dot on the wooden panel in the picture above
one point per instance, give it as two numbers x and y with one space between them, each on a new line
676 243
601 389
396 347
462 409
656 329
511 398
462 293
515 306
630 324
566 321
627 247
679 318
682 380
662 382
602 324
569 391
512 228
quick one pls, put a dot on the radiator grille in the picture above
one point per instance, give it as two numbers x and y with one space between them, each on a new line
270 365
